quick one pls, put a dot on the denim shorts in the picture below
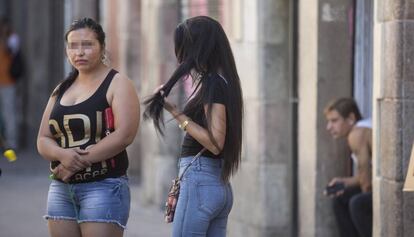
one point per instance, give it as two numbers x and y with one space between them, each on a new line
205 200
105 201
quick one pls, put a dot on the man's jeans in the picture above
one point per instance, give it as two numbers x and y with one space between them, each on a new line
353 212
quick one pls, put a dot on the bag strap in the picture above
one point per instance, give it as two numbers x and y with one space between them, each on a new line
192 161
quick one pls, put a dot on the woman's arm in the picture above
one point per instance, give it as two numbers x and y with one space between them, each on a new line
51 151
124 101
218 126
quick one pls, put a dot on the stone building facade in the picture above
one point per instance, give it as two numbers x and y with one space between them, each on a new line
293 57
393 112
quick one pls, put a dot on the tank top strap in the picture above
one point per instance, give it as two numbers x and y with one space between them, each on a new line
107 82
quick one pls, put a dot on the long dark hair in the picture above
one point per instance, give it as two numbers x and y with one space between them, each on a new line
201 44
76 25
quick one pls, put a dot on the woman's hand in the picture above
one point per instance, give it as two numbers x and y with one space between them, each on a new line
72 159
168 105
62 173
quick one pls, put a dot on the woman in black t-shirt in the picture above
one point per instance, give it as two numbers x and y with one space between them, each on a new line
212 119
89 194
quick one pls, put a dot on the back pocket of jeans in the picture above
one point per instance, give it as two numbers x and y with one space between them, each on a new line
211 198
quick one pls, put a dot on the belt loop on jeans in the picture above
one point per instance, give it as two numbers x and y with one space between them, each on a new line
198 164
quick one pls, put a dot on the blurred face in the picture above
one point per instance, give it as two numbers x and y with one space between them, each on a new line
83 49
337 125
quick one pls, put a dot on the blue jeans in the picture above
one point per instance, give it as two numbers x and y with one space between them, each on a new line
353 212
106 201
205 200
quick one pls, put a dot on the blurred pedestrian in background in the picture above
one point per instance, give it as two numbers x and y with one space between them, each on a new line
90 194
10 71
212 119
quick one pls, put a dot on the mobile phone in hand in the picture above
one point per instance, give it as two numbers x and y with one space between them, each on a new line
333 189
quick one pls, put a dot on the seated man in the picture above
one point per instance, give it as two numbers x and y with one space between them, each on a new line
353 199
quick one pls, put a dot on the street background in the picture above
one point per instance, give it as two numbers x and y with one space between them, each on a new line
293 57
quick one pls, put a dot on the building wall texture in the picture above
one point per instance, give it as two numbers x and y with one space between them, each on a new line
325 73
159 158
263 186
39 24
121 22
393 113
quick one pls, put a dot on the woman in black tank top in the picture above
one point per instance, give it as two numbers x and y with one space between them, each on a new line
212 119
89 192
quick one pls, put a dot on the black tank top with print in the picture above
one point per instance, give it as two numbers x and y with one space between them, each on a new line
82 125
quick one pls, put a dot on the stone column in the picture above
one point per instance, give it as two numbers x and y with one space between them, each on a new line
325 72
159 155
111 12
85 8
393 116
122 24
43 48
263 200
129 31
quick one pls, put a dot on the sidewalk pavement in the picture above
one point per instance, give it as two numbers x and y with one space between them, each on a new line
23 193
